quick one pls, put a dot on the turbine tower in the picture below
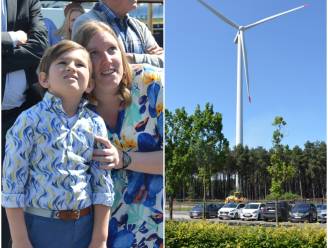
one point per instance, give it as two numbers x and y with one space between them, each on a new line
242 59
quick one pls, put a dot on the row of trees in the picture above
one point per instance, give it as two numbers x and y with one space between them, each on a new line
200 163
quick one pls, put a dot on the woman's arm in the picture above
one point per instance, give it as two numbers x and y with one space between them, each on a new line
17 227
147 162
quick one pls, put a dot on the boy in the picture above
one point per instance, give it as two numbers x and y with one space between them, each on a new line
49 178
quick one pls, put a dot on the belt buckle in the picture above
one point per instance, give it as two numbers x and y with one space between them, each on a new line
77 214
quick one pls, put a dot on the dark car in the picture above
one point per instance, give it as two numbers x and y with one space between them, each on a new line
219 205
210 211
303 212
269 211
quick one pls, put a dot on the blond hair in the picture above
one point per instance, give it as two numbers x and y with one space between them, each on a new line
64 31
83 36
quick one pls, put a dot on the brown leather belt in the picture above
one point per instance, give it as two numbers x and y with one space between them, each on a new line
59 214
73 214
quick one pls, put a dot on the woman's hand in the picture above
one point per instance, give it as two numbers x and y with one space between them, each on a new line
109 155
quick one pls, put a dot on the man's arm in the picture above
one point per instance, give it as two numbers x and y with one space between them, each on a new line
155 54
28 54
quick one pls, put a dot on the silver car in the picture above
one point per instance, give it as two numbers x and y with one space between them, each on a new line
322 213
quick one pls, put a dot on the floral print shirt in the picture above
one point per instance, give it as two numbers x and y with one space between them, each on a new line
48 159
137 212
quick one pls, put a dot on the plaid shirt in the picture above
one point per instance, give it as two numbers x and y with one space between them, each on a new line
124 28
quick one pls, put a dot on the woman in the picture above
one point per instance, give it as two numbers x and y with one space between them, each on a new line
131 103
71 12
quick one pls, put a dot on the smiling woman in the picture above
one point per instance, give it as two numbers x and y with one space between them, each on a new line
130 99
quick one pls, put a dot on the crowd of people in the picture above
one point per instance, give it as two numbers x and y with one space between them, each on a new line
83 156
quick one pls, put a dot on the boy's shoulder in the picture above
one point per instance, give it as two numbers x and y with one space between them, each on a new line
30 117
33 112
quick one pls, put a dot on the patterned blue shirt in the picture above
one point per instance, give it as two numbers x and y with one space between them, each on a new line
48 159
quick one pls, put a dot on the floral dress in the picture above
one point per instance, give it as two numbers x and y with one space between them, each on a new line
137 212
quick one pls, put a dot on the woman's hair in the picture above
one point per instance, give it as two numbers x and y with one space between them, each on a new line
64 30
83 36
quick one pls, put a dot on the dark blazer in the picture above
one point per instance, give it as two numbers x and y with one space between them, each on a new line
23 15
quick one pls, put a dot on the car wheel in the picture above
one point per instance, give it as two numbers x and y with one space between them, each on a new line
236 216
258 217
310 218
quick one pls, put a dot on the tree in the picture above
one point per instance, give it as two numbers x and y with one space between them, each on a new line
279 170
208 145
177 143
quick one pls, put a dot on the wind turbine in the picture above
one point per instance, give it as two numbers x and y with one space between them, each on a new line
242 58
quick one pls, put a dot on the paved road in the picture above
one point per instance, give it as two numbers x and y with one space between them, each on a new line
184 215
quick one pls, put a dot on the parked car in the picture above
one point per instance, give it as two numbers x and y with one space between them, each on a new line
303 212
231 210
211 210
219 205
269 211
252 211
322 213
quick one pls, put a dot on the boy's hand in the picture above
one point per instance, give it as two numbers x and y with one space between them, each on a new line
107 155
22 244
97 244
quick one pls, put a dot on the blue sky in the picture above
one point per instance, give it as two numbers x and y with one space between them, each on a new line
286 62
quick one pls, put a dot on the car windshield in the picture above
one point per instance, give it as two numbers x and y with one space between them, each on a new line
198 207
252 206
230 205
301 207
321 207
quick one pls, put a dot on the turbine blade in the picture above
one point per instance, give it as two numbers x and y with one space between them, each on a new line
218 14
243 49
272 17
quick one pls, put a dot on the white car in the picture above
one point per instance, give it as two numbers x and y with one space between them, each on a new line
252 211
230 210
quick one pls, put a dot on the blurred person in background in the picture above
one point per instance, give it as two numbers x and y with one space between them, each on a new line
23 41
138 42
71 12
52 29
